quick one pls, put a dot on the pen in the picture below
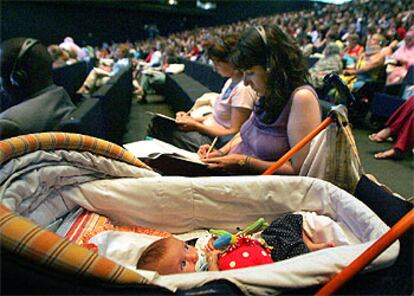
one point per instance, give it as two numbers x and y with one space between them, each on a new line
211 146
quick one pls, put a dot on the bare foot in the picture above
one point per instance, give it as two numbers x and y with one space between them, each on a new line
82 90
381 136
390 153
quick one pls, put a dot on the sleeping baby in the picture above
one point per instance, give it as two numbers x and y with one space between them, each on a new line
284 238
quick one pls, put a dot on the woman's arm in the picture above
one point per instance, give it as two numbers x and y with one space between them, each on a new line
376 62
240 163
238 117
304 117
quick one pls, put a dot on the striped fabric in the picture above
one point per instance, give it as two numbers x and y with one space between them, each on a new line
32 242
17 146
85 223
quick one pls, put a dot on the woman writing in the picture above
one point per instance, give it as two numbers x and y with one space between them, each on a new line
232 107
287 110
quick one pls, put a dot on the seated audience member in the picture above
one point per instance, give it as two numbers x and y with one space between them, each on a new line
170 57
150 74
97 77
331 37
307 46
121 59
330 62
26 72
106 69
286 112
399 126
368 66
73 56
69 45
59 56
283 239
404 58
352 51
231 108
154 58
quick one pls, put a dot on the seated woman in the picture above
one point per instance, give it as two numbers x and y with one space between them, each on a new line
368 66
330 62
286 112
352 51
400 126
106 69
404 58
231 109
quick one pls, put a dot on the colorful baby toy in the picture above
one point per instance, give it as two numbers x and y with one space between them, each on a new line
240 249
226 238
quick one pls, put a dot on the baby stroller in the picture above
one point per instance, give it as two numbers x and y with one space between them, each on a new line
46 175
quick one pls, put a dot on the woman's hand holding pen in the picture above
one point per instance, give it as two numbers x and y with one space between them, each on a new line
202 152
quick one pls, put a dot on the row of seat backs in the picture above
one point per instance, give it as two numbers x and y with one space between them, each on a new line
71 77
204 74
103 114
182 91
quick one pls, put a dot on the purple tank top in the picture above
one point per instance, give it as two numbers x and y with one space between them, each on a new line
266 141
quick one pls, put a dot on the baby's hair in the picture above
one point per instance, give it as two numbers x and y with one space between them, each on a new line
152 255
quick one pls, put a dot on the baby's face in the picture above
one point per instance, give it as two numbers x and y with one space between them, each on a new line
180 257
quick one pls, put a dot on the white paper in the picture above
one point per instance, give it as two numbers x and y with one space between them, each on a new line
150 148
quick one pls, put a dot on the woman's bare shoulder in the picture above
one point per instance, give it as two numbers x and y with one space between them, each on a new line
304 96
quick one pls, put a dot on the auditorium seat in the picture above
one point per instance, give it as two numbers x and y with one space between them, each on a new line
71 77
182 91
385 103
115 100
86 119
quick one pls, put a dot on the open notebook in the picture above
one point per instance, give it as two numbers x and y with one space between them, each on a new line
170 160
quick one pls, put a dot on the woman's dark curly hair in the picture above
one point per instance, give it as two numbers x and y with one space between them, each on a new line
282 58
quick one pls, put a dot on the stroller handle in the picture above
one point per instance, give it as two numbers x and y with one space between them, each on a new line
403 225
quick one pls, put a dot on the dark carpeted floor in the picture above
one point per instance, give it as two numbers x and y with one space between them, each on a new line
398 175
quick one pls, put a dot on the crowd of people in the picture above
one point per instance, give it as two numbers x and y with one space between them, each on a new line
356 39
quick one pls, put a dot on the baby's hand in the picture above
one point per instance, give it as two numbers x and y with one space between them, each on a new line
212 259
210 245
